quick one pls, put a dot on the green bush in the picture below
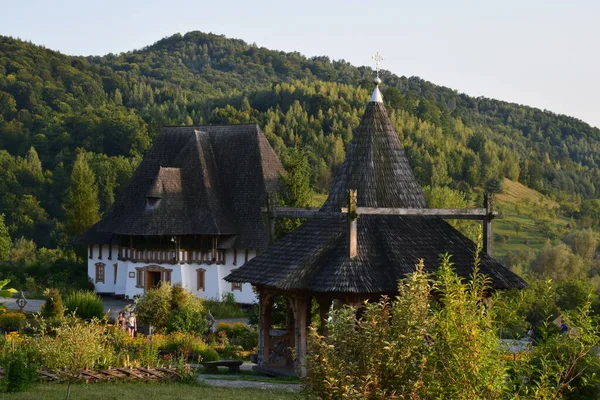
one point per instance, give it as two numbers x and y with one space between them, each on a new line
86 305
172 309
53 308
189 319
238 334
413 347
11 322
154 307
20 371
224 308
208 354
74 345
188 346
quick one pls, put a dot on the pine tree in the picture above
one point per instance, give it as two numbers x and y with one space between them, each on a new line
295 190
296 183
34 165
82 206
5 240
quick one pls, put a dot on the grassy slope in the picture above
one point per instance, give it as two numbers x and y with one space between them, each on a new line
521 205
145 391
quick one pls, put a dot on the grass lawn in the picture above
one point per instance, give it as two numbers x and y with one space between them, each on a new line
146 391
245 375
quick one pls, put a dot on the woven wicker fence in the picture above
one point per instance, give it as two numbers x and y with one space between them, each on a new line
115 374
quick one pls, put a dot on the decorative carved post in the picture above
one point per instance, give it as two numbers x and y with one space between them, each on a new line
352 202
487 224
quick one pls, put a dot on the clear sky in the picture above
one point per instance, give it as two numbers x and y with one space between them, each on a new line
542 53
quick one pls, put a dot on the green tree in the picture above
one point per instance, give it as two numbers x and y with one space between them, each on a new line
81 205
517 227
34 165
5 240
558 263
494 186
295 189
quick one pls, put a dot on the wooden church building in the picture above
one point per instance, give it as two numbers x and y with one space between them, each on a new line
336 256
190 214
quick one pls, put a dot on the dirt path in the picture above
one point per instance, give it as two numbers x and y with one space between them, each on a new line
239 383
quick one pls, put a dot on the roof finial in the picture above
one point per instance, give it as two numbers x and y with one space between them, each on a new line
378 58
376 97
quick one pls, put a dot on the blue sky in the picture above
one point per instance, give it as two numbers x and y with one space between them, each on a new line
541 53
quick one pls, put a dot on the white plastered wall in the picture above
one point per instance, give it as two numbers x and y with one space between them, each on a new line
184 274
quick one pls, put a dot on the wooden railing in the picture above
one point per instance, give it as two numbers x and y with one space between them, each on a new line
171 256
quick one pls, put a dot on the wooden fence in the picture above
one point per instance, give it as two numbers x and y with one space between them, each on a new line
115 374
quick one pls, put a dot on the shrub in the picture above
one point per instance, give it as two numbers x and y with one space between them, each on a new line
20 370
154 307
413 347
224 308
75 344
208 354
188 346
238 334
189 319
172 309
86 305
53 308
12 321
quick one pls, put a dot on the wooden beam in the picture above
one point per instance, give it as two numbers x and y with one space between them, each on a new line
477 214
450 213
293 212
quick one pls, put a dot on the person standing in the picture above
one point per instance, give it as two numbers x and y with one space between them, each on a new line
131 324
121 321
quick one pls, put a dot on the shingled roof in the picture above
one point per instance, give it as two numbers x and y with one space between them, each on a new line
198 180
315 256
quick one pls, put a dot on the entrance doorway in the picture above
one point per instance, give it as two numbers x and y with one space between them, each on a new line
153 278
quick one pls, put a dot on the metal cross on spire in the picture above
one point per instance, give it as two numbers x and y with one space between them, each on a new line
378 58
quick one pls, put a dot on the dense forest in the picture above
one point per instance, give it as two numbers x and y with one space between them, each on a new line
67 121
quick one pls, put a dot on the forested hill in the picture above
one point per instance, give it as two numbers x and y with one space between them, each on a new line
53 107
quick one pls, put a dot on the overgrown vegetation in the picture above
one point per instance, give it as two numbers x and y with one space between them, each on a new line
439 339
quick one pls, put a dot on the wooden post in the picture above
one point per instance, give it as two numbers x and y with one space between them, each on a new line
264 325
301 326
271 217
487 224
352 203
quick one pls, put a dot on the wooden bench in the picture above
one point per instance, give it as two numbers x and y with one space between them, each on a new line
233 365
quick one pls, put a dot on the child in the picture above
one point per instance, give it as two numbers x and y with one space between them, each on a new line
131 324
121 321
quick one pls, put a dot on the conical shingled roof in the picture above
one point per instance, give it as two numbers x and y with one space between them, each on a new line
315 257
376 167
